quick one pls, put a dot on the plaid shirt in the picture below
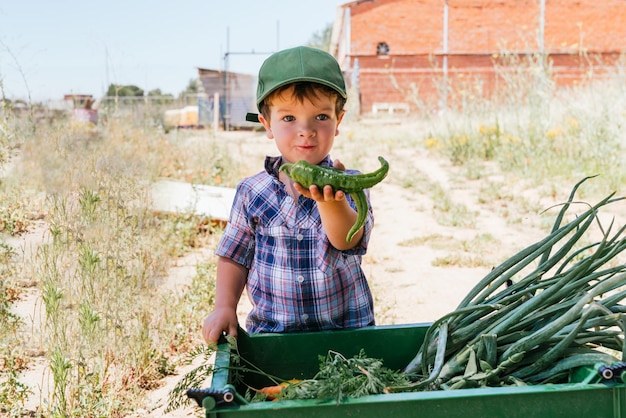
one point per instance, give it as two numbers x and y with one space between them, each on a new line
297 281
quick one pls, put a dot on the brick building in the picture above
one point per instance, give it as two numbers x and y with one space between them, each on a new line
396 50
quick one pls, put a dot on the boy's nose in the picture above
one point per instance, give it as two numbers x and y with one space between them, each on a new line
306 129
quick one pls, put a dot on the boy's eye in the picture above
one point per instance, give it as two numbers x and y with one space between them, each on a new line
289 118
322 117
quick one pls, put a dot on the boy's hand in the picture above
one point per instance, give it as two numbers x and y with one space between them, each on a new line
221 320
325 195
336 214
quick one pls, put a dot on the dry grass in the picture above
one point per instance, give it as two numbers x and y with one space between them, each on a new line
109 334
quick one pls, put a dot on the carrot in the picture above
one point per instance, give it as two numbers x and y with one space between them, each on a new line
273 392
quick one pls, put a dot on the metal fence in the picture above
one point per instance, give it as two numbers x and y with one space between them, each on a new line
146 110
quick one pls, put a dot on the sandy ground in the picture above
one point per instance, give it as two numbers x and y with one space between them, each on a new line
407 287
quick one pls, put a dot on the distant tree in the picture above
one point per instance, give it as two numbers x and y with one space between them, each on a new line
124 91
192 87
190 92
158 97
158 92
321 38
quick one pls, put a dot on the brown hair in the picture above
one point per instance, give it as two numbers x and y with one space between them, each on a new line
304 90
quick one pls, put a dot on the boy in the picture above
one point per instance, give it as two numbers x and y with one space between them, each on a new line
285 243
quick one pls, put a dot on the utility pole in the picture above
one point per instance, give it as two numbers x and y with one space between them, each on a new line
542 26
541 35
445 55
226 107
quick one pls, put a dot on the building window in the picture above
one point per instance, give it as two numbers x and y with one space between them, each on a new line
382 48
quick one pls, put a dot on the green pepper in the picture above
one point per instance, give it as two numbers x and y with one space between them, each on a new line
307 174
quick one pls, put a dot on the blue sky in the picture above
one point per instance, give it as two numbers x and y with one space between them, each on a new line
49 48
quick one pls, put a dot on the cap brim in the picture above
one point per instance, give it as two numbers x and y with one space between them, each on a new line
252 117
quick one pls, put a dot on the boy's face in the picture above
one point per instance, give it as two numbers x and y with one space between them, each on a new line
302 130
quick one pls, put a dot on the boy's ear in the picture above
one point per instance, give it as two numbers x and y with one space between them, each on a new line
266 125
339 119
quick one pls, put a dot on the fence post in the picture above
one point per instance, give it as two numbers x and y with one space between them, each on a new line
216 111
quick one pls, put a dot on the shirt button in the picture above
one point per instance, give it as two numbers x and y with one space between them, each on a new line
305 317
299 237
300 279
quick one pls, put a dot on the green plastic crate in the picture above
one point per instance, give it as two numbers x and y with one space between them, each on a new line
296 356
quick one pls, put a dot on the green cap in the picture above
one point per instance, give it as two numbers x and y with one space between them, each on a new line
292 65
